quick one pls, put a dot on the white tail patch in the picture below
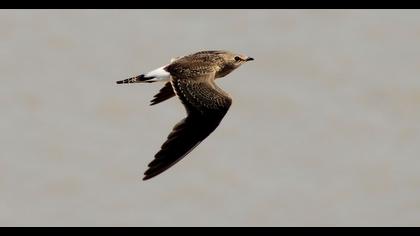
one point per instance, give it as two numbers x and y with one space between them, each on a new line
158 75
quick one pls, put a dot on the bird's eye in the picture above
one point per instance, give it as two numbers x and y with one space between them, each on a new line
238 58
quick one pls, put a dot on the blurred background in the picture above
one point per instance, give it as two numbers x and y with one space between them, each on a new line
323 131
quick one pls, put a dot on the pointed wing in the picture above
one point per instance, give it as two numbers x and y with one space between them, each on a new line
206 105
164 94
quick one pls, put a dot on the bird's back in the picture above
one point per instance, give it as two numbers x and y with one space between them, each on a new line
195 64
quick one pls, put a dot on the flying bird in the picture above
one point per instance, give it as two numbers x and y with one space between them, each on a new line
191 79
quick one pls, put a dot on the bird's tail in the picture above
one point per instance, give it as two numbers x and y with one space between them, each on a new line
160 74
136 79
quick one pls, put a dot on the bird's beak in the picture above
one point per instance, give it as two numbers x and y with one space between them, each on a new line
249 59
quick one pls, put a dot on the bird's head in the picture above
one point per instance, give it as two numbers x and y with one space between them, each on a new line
235 60
231 61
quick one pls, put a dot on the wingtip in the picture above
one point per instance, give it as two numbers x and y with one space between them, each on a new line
147 174
152 172
147 177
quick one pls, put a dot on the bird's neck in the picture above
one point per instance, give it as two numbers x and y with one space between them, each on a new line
224 71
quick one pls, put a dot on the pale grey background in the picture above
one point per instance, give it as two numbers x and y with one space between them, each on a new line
324 129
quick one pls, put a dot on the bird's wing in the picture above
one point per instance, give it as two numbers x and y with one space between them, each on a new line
206 105
164 93
181 67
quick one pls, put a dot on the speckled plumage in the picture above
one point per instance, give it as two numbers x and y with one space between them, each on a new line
191 78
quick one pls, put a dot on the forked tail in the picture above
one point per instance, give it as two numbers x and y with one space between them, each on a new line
136 79
158 75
